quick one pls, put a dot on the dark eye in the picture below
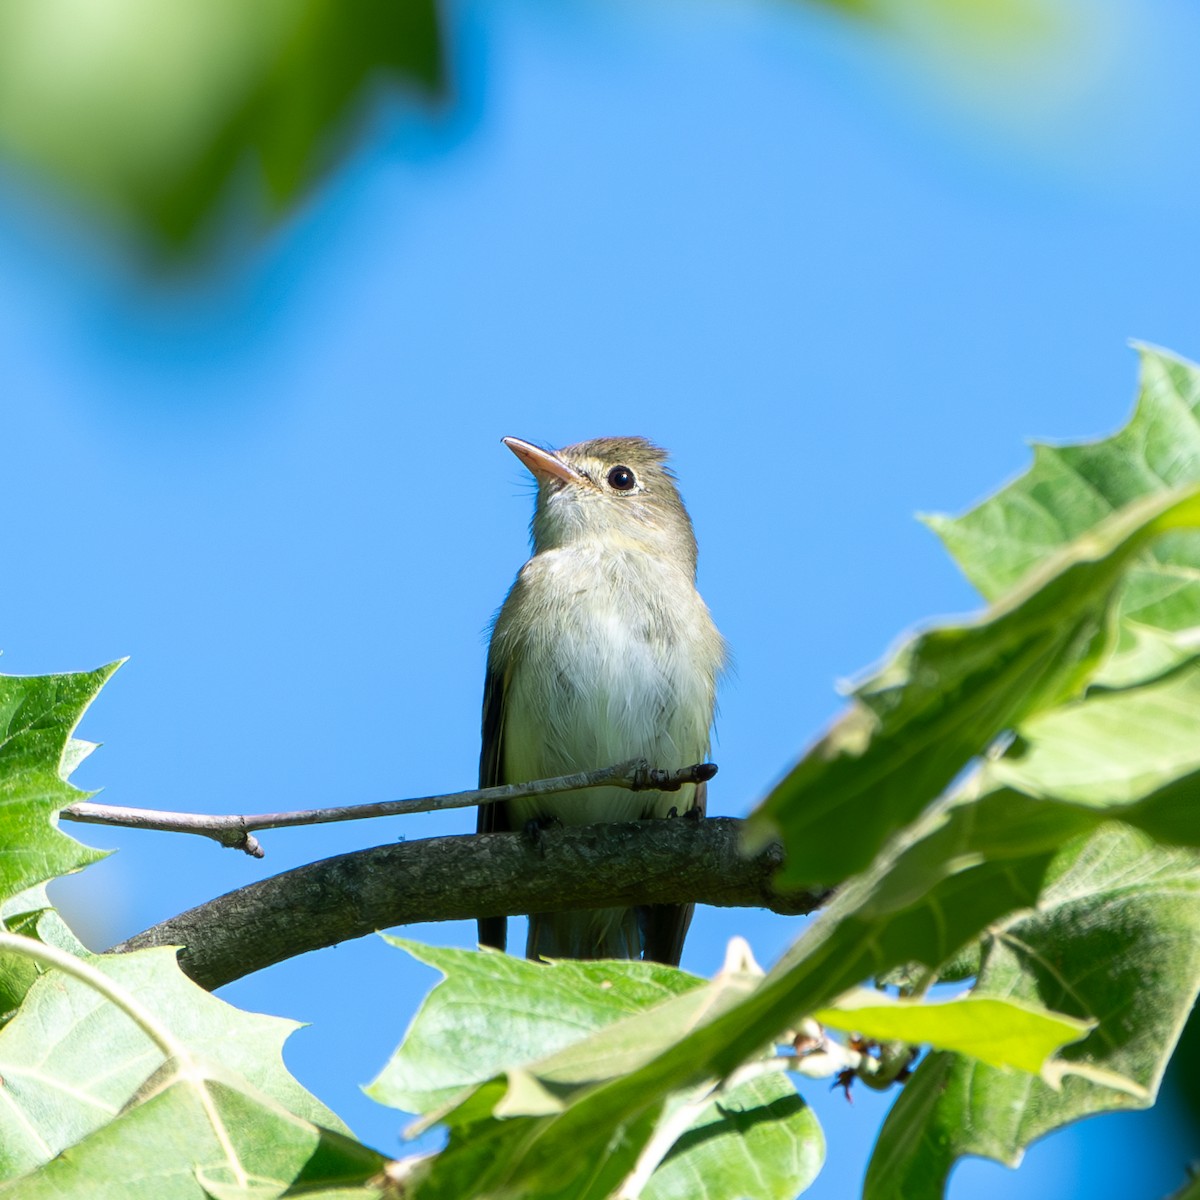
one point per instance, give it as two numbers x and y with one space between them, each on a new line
621 478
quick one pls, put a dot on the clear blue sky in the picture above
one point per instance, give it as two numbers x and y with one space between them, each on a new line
838 286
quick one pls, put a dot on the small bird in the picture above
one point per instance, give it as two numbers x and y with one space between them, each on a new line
602 652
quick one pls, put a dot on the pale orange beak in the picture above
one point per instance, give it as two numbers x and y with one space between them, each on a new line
542 462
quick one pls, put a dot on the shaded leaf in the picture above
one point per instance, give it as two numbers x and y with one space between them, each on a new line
937 887
949 692
1116 936
757 1141
493 1012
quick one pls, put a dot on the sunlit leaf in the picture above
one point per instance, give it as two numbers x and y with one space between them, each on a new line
38 715
1070 489
195 1135
71 1060
30 914
493 1011
998 1031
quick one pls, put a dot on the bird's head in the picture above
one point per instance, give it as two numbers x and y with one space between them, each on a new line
616 489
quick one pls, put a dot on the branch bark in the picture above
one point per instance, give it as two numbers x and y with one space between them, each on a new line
453 878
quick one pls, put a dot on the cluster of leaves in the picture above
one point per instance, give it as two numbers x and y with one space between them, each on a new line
1010 799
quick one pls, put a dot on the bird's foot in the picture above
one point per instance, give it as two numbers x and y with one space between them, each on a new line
535 829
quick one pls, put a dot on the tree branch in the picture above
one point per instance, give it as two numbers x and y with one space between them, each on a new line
452 878
235 829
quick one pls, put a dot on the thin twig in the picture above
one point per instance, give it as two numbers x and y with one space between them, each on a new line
236 829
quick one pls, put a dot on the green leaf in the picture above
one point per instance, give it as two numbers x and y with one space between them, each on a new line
1071 489
1191 1189
37 717
1113 751
757 1141
510 1137
193 1136
1001 1032
938 886
964 866
454 1040
1128 754
71 1060
1116 936
30 914
948 693
157 113
1144 654
546 1012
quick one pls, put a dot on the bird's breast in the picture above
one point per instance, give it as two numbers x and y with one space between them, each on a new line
618 661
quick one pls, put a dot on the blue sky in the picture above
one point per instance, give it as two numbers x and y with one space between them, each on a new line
842 278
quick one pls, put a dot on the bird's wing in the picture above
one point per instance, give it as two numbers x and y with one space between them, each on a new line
493 818
666 925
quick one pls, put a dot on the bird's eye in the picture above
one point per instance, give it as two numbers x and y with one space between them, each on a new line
621 478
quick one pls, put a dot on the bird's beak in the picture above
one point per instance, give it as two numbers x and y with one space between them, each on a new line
542 462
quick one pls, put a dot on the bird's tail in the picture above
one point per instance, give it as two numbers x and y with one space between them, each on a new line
590 933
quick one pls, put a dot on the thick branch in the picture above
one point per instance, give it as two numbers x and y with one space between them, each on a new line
235 829
451 878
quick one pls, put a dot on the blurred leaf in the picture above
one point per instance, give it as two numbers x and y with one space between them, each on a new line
947 693
1144 654
70 1059
37 717
1191 1189
1183 1077
1115 936
152 111
998 1031
758 1141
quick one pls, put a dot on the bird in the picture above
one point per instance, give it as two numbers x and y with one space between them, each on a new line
602 652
